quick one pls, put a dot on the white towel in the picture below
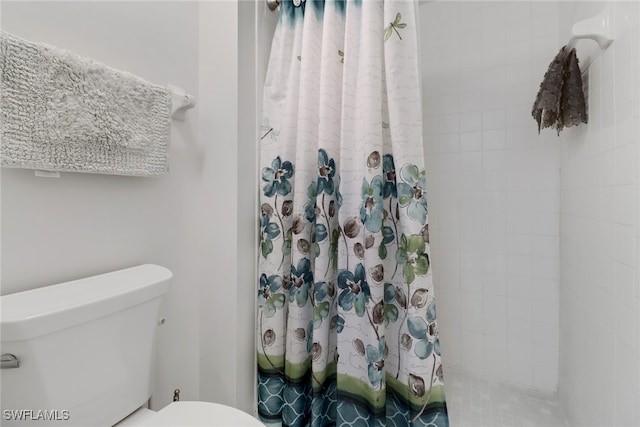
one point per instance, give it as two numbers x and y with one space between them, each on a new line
63 112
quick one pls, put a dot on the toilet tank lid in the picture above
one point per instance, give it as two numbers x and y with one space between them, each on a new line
28 314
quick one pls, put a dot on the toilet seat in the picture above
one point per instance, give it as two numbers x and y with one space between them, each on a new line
191 414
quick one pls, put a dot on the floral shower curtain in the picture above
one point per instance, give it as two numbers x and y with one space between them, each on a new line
347 331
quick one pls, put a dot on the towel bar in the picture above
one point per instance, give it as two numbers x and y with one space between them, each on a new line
597 28
181 102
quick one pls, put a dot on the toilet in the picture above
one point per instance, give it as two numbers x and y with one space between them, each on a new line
81 353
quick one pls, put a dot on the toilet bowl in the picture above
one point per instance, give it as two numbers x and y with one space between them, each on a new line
190 414
83 351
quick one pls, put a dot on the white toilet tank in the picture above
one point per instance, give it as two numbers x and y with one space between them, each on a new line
85 348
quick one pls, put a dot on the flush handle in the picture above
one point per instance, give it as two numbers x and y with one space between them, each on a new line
9 361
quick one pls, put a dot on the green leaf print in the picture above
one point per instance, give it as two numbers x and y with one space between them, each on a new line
412 256
267 247
382 251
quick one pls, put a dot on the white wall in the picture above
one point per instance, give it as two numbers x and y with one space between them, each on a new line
81 224
600 291
493 187
228 125
199 220
233 60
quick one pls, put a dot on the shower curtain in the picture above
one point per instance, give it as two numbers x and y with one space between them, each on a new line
347 331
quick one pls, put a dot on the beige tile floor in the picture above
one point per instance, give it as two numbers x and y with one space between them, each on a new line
478 402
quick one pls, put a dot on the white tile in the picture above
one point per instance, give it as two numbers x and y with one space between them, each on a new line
544 26
469 122
494 365
545 334
520 373
494 160
445 162
624 289
519 181
546 268
547 288
520 351
471 141
494 119
623 204
494 139
519 223
471 282
626 328
519 330
519 115
471 357
520 285
519 265
520 201
495 305
494 180
624 245
495 225
494 201
494 98
448 142
468 19
519 244
470 101
519 11
495 283
545 180
547 224
545 246
472 398
471 320
544 10
448 239
471 161
471 261
520 309
545 378
624 165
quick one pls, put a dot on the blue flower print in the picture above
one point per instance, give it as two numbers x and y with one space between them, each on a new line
321 307
268 298
375 358
355 290
310 337
326 172
339 323
268 228
339 198
389 171
413 192
425 332
277 177
301 281
371 208
310 208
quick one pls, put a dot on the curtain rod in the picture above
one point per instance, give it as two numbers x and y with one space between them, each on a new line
273 4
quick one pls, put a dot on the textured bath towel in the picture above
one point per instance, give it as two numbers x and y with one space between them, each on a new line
560 101
63 112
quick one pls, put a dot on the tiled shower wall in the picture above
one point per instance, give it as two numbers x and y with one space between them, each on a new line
493 186
600 289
